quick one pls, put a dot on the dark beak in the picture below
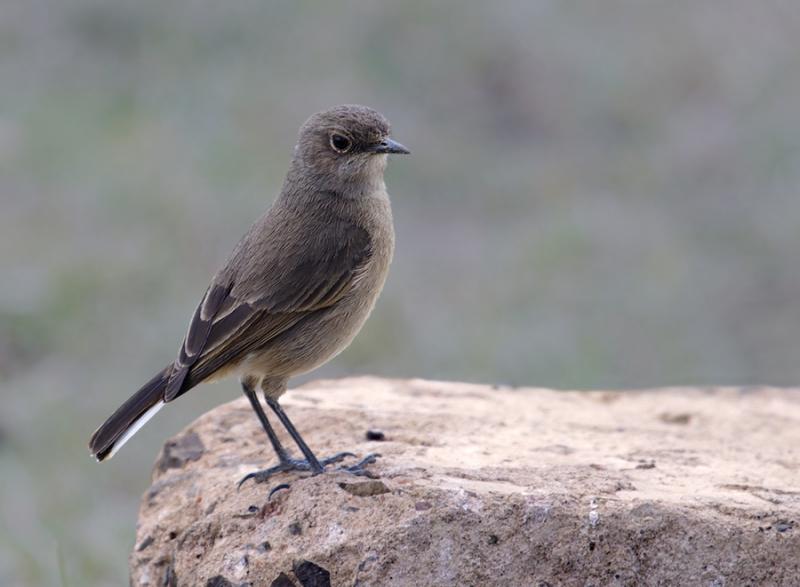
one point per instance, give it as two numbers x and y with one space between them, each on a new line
389 146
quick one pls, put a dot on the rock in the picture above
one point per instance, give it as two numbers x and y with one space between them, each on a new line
366 488
486 486
376 435
178 451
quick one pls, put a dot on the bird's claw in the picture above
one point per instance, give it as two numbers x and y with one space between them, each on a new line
359 469
264 474
276 489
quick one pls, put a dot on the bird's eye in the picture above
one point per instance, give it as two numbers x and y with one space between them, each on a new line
340 143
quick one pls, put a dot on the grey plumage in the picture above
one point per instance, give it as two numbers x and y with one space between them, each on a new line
300 283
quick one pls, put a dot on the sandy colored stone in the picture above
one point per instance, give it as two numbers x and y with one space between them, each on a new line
483 485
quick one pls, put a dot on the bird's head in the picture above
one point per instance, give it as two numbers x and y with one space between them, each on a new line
346 146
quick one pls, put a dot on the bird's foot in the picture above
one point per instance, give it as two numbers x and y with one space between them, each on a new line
293 465
359 469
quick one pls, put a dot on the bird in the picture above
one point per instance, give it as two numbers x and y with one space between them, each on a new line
294 292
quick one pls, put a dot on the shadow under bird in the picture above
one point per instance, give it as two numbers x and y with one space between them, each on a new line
296 289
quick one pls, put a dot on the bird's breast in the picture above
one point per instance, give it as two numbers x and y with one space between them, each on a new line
376 219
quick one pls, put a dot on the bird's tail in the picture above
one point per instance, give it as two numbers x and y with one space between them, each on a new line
129 417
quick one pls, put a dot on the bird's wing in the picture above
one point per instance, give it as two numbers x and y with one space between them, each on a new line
241 312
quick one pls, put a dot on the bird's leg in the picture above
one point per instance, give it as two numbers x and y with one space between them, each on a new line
313 463
357 469
250 392
310 463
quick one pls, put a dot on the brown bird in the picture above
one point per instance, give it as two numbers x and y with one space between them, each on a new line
296 289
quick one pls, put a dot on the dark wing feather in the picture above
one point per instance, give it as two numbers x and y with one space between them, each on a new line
258 332
315 272
200 328
254 307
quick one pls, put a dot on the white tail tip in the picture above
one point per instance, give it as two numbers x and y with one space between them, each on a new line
133 429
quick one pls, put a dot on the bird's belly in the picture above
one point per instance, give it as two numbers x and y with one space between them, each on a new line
316 339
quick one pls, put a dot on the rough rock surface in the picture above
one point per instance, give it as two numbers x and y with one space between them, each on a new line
484 485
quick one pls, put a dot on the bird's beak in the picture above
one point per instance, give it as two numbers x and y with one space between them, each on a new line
389 146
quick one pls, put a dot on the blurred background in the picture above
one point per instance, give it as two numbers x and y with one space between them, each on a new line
601 195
